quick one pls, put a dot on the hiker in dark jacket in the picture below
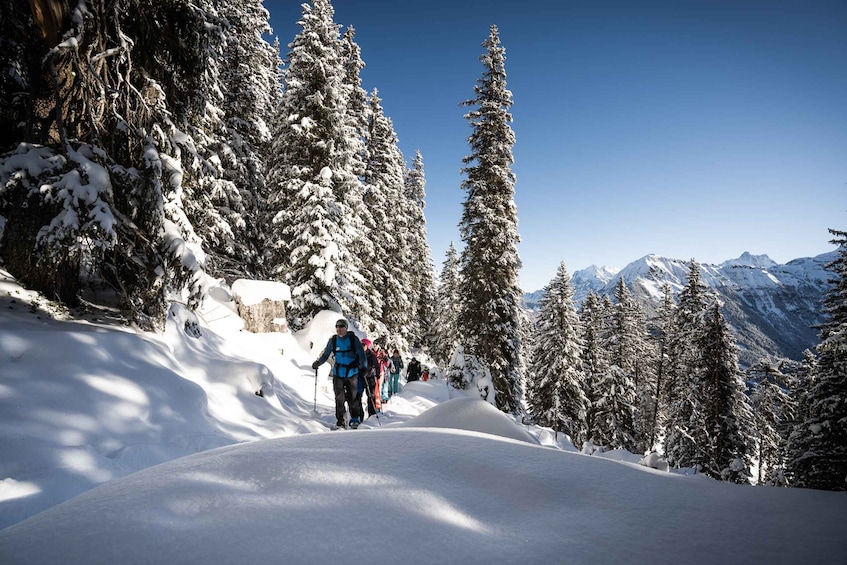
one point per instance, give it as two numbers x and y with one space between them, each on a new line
369 382
350 360
413 373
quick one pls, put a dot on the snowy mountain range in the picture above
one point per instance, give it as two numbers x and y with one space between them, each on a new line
772 308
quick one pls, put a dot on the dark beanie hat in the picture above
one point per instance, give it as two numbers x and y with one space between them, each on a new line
342 322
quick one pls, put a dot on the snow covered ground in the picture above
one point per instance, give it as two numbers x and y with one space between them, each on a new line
120 446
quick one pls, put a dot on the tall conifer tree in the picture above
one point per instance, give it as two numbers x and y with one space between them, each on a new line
818 444
632 352
554 371
384 181
774 410
492 320
314 176
420 268
683 443
595 361
727 421
446 318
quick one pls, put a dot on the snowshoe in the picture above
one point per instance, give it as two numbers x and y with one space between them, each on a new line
354 423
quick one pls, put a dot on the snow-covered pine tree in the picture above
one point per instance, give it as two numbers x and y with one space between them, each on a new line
613 391
465 372
446 317
315 191
683 446
659 328
125 88
818 444
726 419
632 351
250 93
773 411
384 181
361 207
491 320
422 284
596 362
554 370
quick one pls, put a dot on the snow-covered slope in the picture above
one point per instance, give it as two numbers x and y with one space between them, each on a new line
771 307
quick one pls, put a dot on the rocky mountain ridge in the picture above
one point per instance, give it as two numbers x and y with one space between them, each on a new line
772 307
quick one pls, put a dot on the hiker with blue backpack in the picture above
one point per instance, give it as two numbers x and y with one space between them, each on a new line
350 362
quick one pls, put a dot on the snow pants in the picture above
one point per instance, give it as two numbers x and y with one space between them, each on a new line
346 389
393 384
383 390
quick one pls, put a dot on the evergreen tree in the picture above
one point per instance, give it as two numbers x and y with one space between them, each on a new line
314 173
684 443
384 181
362 205
555 377
250 92
818 444
491 319
115 117
726 417
660 328
595 361
446 317
420 268
465 372
631 351
773 410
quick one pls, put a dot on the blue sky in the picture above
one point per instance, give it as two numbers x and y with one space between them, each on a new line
680 128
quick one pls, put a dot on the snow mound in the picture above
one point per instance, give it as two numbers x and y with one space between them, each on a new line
473 415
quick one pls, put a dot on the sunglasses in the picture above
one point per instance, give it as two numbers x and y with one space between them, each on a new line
340 326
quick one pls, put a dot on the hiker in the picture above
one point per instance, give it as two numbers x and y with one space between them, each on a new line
368 383
380 390
413 373
425 374
395 364
350 360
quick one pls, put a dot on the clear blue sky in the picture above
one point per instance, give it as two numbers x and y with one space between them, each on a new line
680 128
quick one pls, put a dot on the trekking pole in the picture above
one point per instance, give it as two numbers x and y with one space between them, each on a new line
315 405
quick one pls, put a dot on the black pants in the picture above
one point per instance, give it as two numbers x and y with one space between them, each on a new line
346 390
370 389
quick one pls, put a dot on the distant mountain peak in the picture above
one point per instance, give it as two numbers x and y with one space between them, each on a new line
773 308
747 259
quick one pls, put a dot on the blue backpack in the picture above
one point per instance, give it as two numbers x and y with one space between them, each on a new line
345 359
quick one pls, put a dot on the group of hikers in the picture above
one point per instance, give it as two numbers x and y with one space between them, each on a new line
363 367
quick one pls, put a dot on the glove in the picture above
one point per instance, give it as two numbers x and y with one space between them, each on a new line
315 365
